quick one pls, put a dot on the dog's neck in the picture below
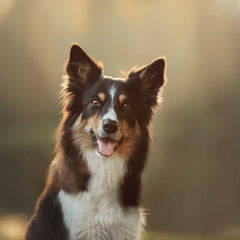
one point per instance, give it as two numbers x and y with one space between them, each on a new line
88 214
106 173
73 172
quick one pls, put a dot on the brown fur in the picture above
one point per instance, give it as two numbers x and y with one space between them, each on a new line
122 97
101 96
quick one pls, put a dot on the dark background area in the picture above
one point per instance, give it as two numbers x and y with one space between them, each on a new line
192 181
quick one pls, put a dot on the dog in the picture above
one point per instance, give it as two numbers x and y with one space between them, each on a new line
93 189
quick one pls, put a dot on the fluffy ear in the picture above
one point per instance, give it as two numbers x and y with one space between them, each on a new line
81 67
151 78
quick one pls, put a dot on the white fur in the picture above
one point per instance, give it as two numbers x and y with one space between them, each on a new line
112 92
96 214
111 114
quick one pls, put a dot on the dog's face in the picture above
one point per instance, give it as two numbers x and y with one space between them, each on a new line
109 116
111 112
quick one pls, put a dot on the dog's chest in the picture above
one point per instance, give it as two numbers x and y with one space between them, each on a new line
96 214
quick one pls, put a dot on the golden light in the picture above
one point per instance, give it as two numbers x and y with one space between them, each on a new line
13 226
5 7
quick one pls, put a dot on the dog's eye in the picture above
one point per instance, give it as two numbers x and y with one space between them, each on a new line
126 106
96 102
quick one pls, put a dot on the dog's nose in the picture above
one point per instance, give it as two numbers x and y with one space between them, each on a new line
110 126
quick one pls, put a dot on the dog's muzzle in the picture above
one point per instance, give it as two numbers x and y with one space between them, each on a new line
110 126
105 146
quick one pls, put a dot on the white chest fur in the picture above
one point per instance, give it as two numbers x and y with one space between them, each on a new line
96 214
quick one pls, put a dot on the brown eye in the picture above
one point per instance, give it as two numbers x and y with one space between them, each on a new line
126 106
96 102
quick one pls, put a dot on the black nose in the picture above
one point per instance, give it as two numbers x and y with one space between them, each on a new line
110 126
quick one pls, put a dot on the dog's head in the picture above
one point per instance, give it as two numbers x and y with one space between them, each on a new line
109 113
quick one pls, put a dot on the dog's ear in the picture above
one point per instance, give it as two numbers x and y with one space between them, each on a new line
151 78
145 84
81 67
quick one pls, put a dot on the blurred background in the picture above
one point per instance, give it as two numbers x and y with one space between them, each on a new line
192 181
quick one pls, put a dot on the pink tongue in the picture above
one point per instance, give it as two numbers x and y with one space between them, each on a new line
106 148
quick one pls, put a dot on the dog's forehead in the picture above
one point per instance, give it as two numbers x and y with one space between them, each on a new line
113 79
111 86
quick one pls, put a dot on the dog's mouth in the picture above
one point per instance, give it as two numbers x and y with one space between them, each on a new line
104 146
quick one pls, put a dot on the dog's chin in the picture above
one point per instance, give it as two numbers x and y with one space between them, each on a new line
105 146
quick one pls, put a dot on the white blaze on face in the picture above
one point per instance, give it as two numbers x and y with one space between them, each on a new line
111 114
106 148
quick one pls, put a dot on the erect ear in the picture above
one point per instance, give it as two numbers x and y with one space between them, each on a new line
81 66
151 77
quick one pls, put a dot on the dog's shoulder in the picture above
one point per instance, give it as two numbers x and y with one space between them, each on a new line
47 222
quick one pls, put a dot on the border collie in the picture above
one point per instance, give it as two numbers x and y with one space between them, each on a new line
93 186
